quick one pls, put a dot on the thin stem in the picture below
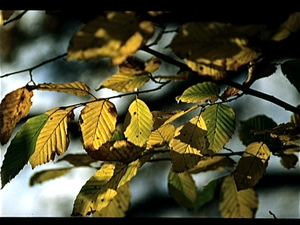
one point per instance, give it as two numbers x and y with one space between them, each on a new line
15 18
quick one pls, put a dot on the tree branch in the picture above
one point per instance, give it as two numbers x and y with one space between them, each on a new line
226 81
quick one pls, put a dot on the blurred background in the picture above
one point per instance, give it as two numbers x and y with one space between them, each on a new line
37 37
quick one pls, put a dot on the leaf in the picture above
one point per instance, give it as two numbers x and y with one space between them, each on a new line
256 123
213 48
117 36
120 151
188 144
291 69
200 93
101 188
141 123
97 123
22 147
229 92
5 15
161 136
205 195
252 165
215 163
292 24
119 205
132 75
295 118
77 159
220 123
237 204
46 175
15 106
77 87
289 161
182 188
53 138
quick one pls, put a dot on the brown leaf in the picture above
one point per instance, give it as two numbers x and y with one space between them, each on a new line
229 92
15 106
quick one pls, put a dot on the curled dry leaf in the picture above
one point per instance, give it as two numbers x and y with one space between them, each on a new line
15 106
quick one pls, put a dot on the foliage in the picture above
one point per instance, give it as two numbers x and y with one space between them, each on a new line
211 52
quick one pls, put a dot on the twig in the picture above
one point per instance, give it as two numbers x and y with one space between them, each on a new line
30 69
15 18
273 214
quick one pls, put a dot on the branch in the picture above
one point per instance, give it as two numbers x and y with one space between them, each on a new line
34 67
245 89
15 18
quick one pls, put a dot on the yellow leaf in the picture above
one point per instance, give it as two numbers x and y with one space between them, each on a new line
117 36
120 151
53 138
161 136
97 123
119 205
100 190
188 144
141 123
15 106
46 175
77 87
214 163
237 204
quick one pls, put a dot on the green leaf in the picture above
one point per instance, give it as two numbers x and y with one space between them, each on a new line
46 175
22 147
291 69
182 188
206 194
257 123
141 123
116 35
251 166
220 123
200 93
237 204
78 159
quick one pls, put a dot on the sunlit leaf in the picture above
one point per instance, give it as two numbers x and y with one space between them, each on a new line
182 188
291 69
46 175
77 88
53 138
295 118
117 36
102 187
22 147
14 106
214 48
119 205
237 204
214 163
188 144
141 123
200 93
161 136
252 165
120 151
97 123
220 123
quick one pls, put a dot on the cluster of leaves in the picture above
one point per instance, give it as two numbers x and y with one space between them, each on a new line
209 49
